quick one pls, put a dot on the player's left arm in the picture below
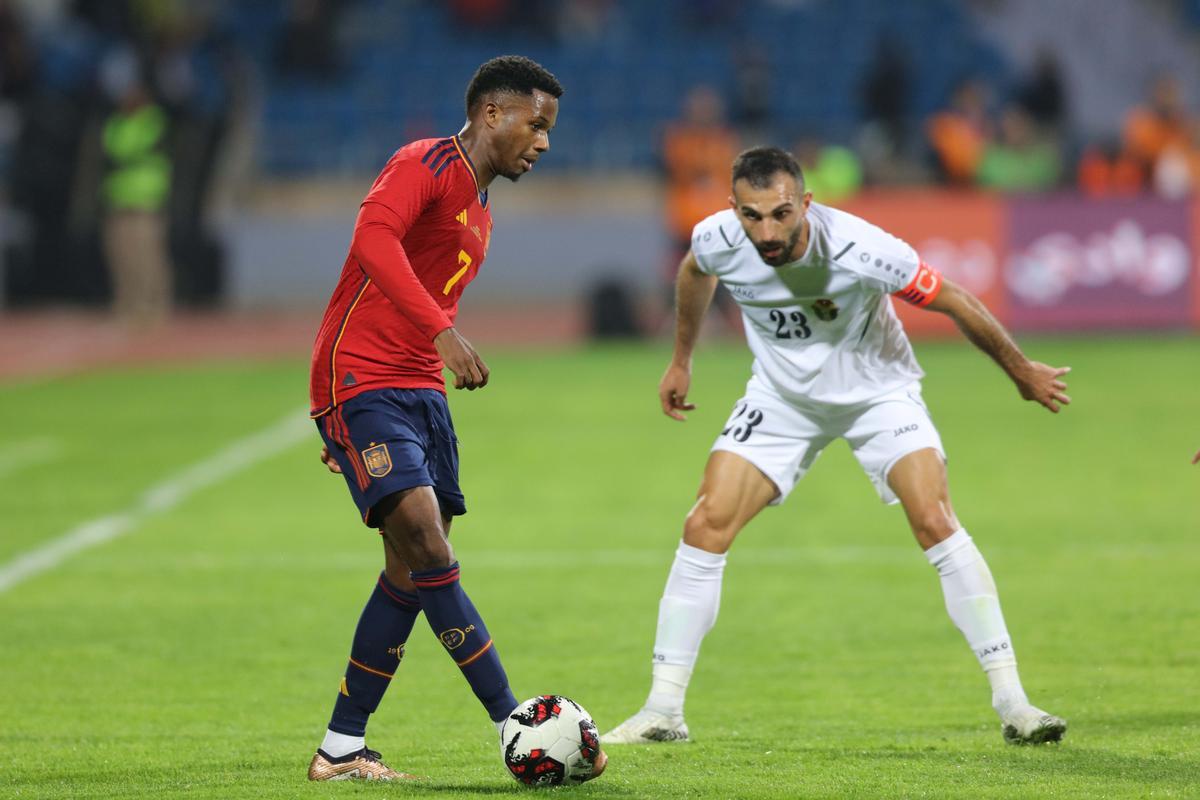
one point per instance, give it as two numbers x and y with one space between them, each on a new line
1036 381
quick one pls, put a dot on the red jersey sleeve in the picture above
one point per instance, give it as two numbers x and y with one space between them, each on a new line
405 187
923 288
377 247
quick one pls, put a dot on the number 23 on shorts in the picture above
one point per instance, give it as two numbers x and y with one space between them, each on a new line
742 423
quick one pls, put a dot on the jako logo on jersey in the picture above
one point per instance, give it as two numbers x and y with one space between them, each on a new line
825 309
744 292
377 460
454 637
906 429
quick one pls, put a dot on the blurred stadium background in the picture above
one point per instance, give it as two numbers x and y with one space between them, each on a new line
1045 154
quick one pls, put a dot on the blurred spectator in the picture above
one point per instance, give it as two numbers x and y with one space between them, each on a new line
584 21
831 172
78 175
16 81
1106 170
479 14
886 93
1177 171
752 80
1160 125
308 46
698 152
55 255
1024 159
1042 94
201 77
884 140
960 134
537 19
135 189
16 55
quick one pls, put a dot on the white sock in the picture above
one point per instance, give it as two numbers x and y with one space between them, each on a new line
668 685
974 607
686 613
499 725
1007 693
339 744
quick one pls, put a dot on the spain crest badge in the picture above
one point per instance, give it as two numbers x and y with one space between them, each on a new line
377 460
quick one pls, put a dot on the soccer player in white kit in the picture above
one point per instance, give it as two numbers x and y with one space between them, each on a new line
830 360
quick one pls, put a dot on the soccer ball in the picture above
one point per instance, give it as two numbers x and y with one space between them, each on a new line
550 740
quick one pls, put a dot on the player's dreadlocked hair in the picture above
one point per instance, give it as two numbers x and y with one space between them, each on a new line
516 74
758 164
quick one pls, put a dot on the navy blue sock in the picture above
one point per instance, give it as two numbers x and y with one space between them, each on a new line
463 634
378 646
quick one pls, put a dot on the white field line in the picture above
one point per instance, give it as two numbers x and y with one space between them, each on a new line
26 453
160 498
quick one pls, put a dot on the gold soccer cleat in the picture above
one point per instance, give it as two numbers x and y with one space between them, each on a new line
363 765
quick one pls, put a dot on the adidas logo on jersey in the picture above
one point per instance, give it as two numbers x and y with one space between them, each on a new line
461 217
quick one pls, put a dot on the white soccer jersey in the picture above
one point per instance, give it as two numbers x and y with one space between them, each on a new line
822 328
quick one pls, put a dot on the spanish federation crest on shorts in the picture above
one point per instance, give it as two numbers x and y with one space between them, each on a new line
377 460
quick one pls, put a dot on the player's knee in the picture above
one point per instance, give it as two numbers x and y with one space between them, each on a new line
430 551
421 546
709 527
932 525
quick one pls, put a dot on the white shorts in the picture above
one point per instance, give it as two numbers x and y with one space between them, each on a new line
783 439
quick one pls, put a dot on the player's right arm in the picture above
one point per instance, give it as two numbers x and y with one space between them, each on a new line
403 191
693 293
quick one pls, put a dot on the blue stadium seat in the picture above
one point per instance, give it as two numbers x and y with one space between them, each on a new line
407 67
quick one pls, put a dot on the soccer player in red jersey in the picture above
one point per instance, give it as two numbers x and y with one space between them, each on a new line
379 399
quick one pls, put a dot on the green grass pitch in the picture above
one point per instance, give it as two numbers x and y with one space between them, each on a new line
198 654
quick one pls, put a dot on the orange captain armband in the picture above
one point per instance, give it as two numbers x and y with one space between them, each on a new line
923 288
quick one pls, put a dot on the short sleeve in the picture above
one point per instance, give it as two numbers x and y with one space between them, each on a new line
925 285
715 241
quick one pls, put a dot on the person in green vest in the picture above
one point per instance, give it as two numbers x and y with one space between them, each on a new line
832 172
136 186
1023 160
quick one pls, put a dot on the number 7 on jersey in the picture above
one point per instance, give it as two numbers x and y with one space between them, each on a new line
464 261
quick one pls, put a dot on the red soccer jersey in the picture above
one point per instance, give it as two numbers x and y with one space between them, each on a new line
422 233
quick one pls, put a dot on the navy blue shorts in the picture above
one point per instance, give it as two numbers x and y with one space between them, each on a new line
389 440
